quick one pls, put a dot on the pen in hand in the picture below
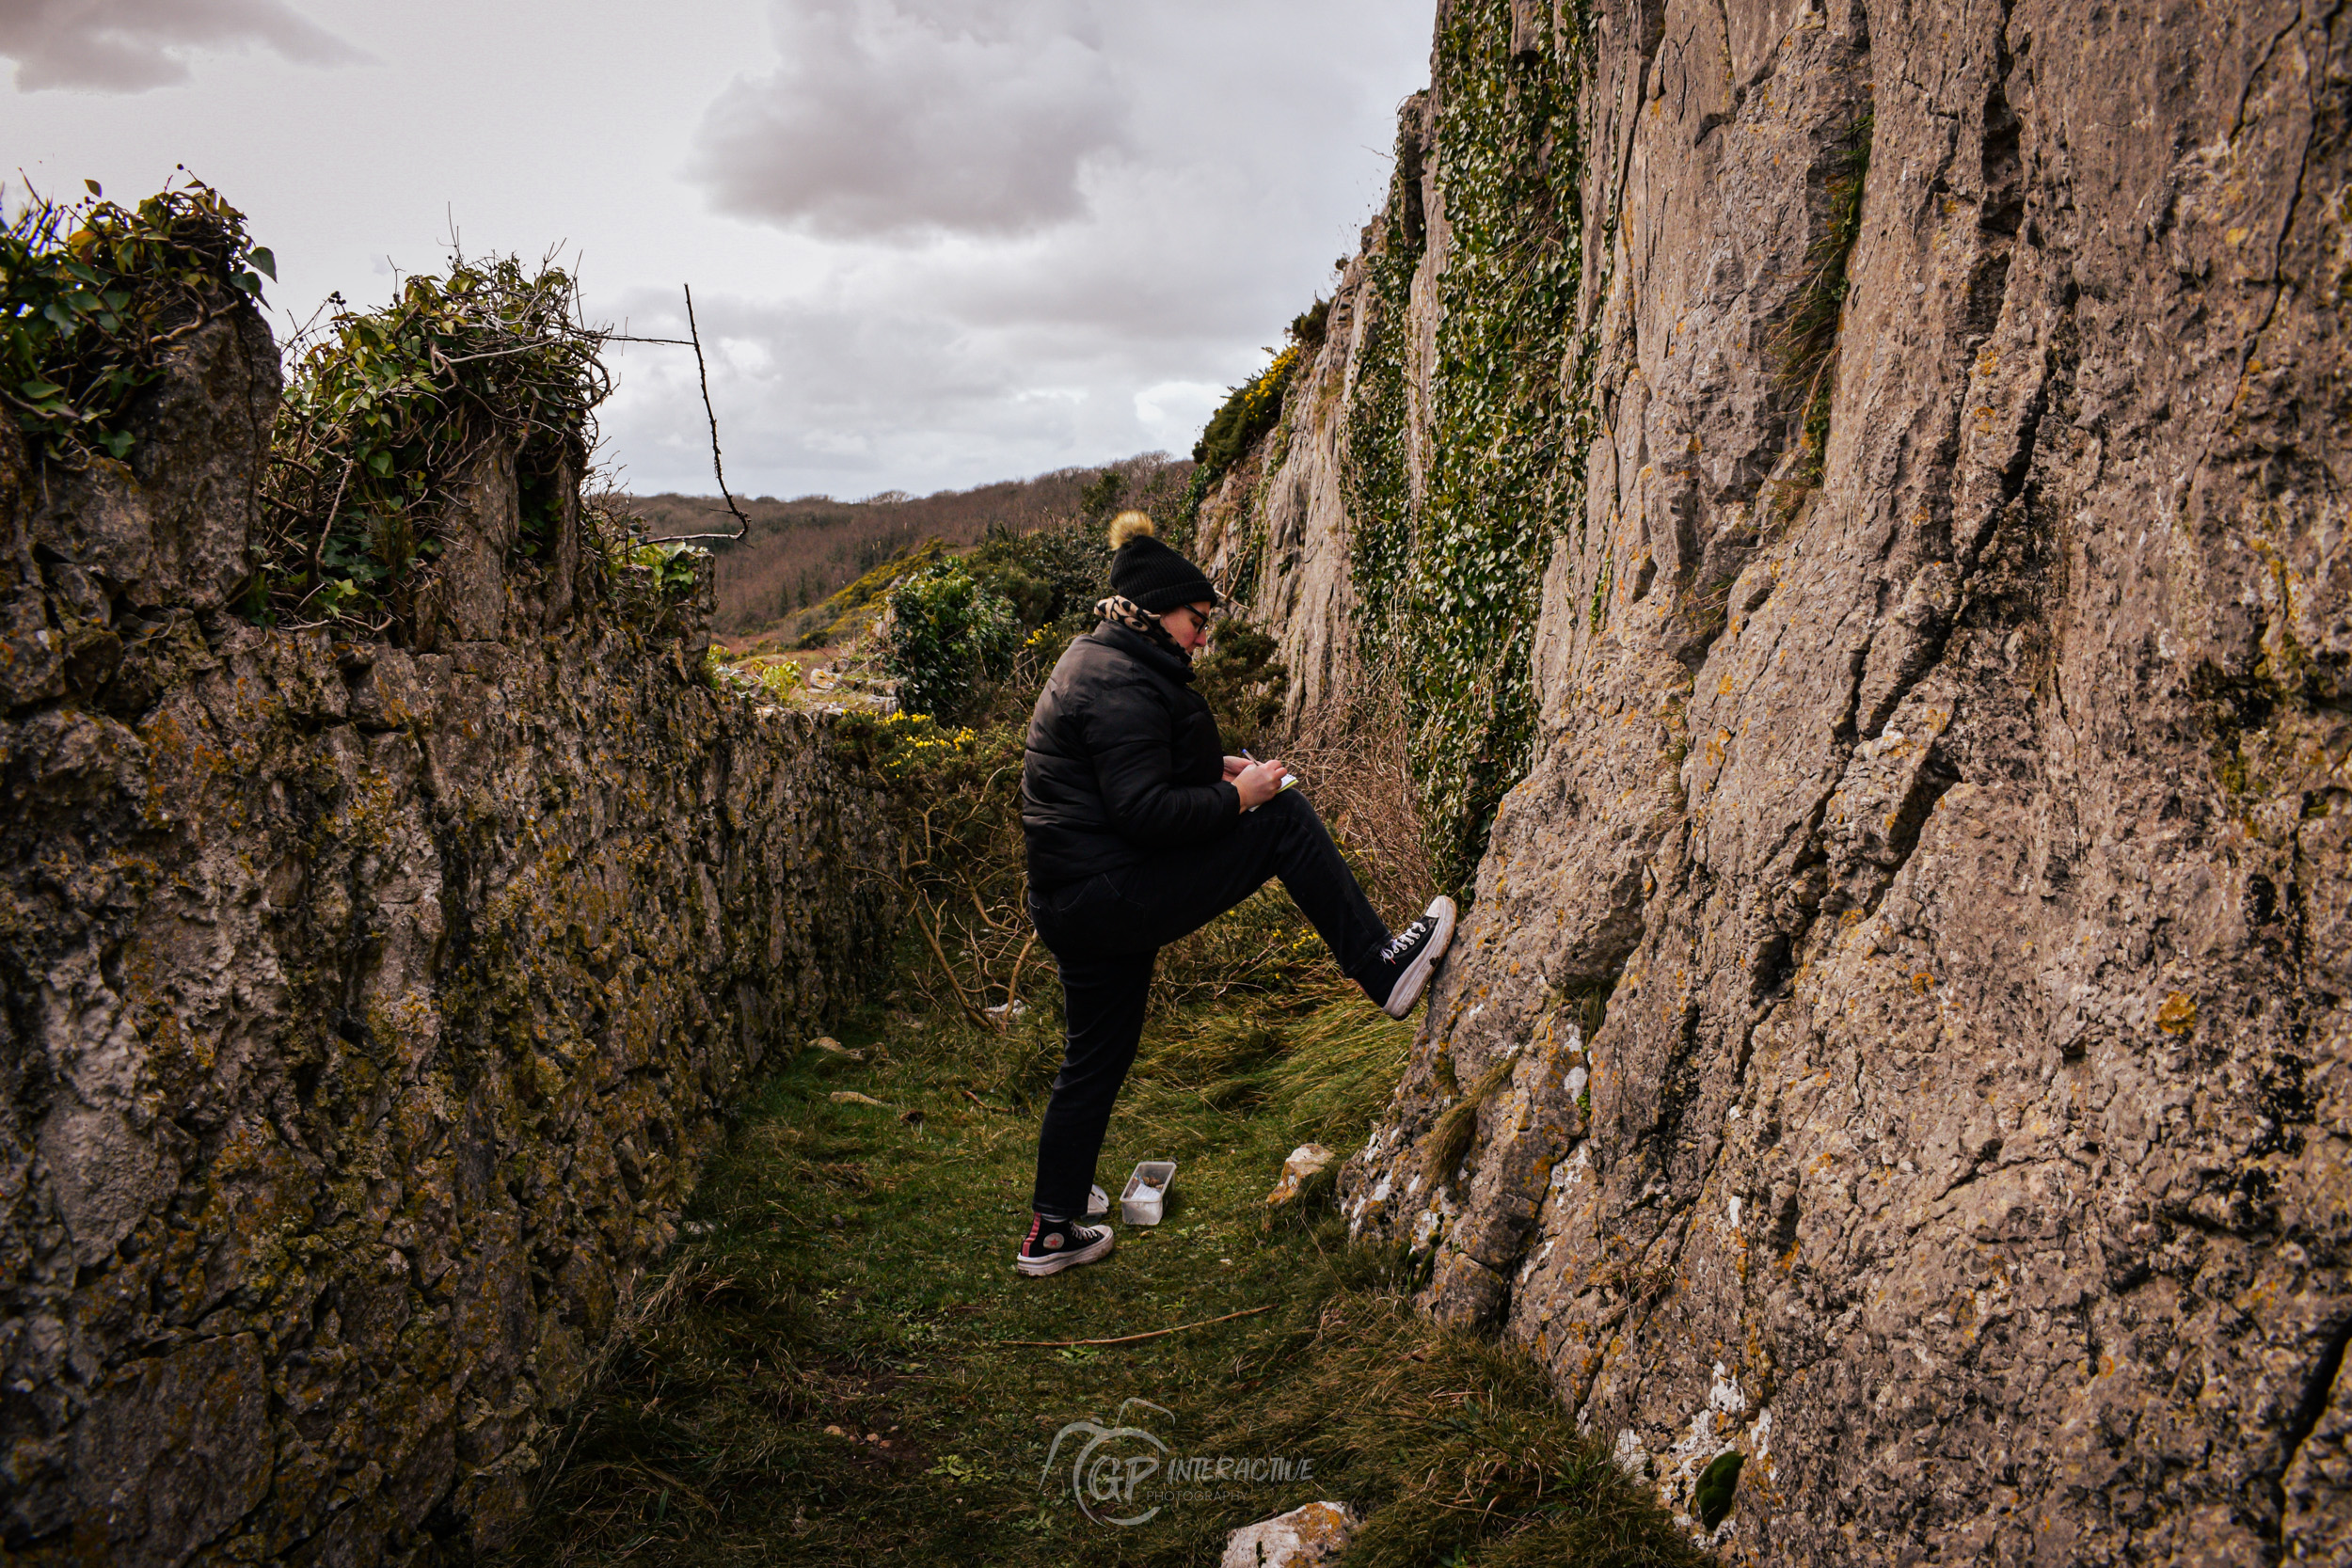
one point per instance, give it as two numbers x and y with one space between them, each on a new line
1290 779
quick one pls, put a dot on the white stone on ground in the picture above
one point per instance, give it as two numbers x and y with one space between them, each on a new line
1305 1537
1306 1162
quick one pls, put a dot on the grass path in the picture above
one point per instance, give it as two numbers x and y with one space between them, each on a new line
821 1376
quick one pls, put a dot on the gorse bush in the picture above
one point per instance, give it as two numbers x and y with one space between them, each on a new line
1244 685
1245 416
94 295
386 419
1055 576
948 636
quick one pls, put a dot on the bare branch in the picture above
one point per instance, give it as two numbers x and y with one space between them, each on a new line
702 370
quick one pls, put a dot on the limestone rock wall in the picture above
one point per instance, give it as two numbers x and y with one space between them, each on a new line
367 1009
1904 1025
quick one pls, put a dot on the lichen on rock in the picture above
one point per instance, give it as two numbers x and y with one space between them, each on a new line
1931 822
370 1004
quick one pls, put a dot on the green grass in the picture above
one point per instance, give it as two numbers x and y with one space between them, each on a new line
821 1374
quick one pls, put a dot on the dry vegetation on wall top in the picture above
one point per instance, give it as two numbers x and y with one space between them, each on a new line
395 423
800 553
386 418
94 295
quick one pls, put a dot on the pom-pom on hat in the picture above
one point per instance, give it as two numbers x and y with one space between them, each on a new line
1148 574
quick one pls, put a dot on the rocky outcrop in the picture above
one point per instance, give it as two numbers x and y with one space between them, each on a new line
368 1008
1902 1033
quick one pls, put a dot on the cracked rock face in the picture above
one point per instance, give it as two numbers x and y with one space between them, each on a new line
1903 1016
366 1010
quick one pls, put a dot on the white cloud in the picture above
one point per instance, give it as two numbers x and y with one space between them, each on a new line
1172 178
132 45
905 117
1103 317
1174 412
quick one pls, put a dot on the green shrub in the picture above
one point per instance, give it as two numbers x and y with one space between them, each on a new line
1247 415
1001 565
1075 560
1310 325
386 416
94 295
948 636
1244 684
1102 496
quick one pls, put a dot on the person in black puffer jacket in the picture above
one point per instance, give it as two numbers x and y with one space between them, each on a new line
1141 830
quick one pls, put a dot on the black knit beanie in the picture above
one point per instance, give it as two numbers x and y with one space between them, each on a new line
1149 575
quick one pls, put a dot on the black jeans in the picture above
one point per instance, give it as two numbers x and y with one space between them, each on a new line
1105 933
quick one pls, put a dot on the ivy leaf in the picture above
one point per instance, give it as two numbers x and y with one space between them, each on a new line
95 189
117 445
263 261
40 390
380 462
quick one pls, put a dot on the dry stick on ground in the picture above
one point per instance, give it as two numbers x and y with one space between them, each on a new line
743 524
1131 1339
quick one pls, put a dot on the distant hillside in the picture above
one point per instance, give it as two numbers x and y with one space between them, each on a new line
800 551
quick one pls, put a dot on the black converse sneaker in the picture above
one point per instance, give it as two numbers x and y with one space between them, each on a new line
1397 977
1053 1245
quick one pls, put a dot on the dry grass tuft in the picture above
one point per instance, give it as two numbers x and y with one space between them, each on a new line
1451 1138
1352 758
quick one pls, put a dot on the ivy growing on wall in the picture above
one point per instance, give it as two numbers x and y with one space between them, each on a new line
1449 579
94 295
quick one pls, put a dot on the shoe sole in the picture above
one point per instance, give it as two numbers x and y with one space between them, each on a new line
1037 1268
1415 980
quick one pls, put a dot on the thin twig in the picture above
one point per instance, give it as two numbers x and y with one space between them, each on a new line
488 354
1131 1339
702 372
932 937
1012 987
319 549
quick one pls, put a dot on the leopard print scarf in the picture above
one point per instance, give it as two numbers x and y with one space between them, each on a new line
1135 618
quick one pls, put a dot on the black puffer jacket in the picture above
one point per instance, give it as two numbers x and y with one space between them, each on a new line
1123 759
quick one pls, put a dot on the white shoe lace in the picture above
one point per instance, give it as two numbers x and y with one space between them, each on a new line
1403 941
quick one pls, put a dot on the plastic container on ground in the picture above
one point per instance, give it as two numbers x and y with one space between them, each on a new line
1146 1198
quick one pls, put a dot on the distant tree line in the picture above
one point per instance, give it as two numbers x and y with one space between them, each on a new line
800 552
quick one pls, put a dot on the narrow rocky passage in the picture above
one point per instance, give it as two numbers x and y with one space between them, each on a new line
831 1367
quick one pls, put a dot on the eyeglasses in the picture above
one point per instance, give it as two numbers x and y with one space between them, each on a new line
1200 618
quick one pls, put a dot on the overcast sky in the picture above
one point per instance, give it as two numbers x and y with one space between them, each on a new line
933 243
